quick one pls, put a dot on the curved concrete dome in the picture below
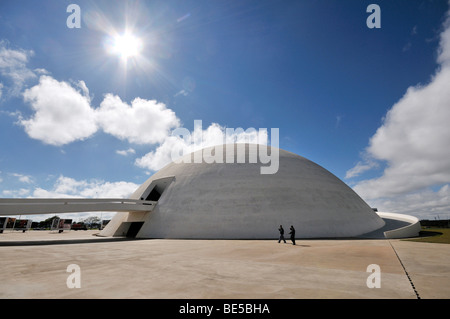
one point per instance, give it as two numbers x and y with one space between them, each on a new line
235 201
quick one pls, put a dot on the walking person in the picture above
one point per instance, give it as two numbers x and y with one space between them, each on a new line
281 230
292 232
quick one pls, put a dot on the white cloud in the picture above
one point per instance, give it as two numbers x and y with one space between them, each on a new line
142 122
1 87
407 47
126 152
427 204
160 157
182 92
84 89
16 193
65 187
13 66
41 71
413 142
213 135
62 114
444 44
361 167
23 178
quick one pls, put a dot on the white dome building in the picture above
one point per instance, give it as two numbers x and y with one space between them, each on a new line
235 201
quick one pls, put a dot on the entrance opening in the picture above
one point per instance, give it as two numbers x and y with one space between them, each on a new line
134 229
157 188
154 195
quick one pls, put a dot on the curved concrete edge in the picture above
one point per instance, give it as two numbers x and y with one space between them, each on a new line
411 230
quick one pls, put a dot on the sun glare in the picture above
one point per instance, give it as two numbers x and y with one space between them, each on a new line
126 45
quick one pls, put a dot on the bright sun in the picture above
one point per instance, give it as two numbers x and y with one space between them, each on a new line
126 45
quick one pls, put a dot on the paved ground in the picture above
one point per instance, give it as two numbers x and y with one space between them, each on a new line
34 265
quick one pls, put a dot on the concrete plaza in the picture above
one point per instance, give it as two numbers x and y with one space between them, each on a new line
34 265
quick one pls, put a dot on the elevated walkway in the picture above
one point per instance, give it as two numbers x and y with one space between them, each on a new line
33 206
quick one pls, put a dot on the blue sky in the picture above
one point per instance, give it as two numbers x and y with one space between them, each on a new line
367 104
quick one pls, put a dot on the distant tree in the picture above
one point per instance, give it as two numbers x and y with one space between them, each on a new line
48 222
91 220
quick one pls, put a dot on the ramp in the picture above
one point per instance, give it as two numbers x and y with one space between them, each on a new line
32 206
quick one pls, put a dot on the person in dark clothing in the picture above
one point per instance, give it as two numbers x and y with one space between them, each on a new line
292 232
281 230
